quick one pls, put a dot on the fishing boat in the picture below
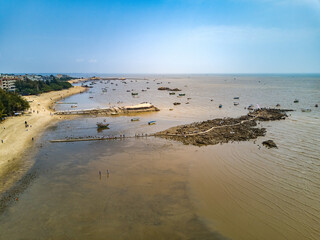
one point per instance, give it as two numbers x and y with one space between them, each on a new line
134 94
90 97
182 94
135 119
236 98
101 126
176 103
74 106
296 101
235 103
305 110
172 93
151 122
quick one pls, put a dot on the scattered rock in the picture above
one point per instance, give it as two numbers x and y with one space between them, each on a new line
223 130
169 89
269 144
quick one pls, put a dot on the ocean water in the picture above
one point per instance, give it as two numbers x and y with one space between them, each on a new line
161 189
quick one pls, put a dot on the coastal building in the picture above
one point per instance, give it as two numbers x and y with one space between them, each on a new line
62 76
34 77
7 82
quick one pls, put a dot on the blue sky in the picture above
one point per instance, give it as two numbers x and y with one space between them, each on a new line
168 36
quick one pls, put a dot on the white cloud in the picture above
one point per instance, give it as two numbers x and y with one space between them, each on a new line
79 60
92 61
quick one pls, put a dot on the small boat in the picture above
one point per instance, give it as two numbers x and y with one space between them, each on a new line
151 122
316 105
143 90
74 106
170 109
296 101
188 98
305 110
278 105
235 103
187 102
220 106
135 119
90 97
134 94
128 91
172 93
148 88
236 98
102 126
176 103
182 94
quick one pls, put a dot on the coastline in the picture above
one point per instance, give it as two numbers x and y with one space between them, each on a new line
17 138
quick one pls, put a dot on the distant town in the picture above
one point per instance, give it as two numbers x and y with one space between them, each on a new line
8 81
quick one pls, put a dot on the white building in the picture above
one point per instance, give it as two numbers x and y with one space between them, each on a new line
7 82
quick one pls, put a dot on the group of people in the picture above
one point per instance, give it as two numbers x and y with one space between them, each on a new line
107 173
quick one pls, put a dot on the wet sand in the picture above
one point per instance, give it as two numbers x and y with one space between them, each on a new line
17 139
145 196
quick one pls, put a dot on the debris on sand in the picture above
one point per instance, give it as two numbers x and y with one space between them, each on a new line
269 144
169 89
223 130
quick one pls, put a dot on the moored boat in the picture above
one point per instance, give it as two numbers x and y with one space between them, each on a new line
101 126
151 122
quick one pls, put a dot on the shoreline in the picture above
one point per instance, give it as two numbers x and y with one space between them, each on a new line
17 138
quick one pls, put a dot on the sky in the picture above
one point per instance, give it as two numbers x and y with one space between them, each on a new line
160 36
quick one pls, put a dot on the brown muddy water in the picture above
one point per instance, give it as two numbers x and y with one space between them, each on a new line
161 189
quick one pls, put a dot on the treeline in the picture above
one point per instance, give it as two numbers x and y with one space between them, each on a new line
11 103
29 87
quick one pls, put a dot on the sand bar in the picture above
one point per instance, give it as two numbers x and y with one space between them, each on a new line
17 138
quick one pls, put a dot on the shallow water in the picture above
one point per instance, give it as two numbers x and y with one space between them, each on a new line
162 189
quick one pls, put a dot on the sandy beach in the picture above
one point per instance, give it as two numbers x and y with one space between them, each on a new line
17 138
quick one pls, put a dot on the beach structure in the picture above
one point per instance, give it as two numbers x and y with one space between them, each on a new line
142 107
